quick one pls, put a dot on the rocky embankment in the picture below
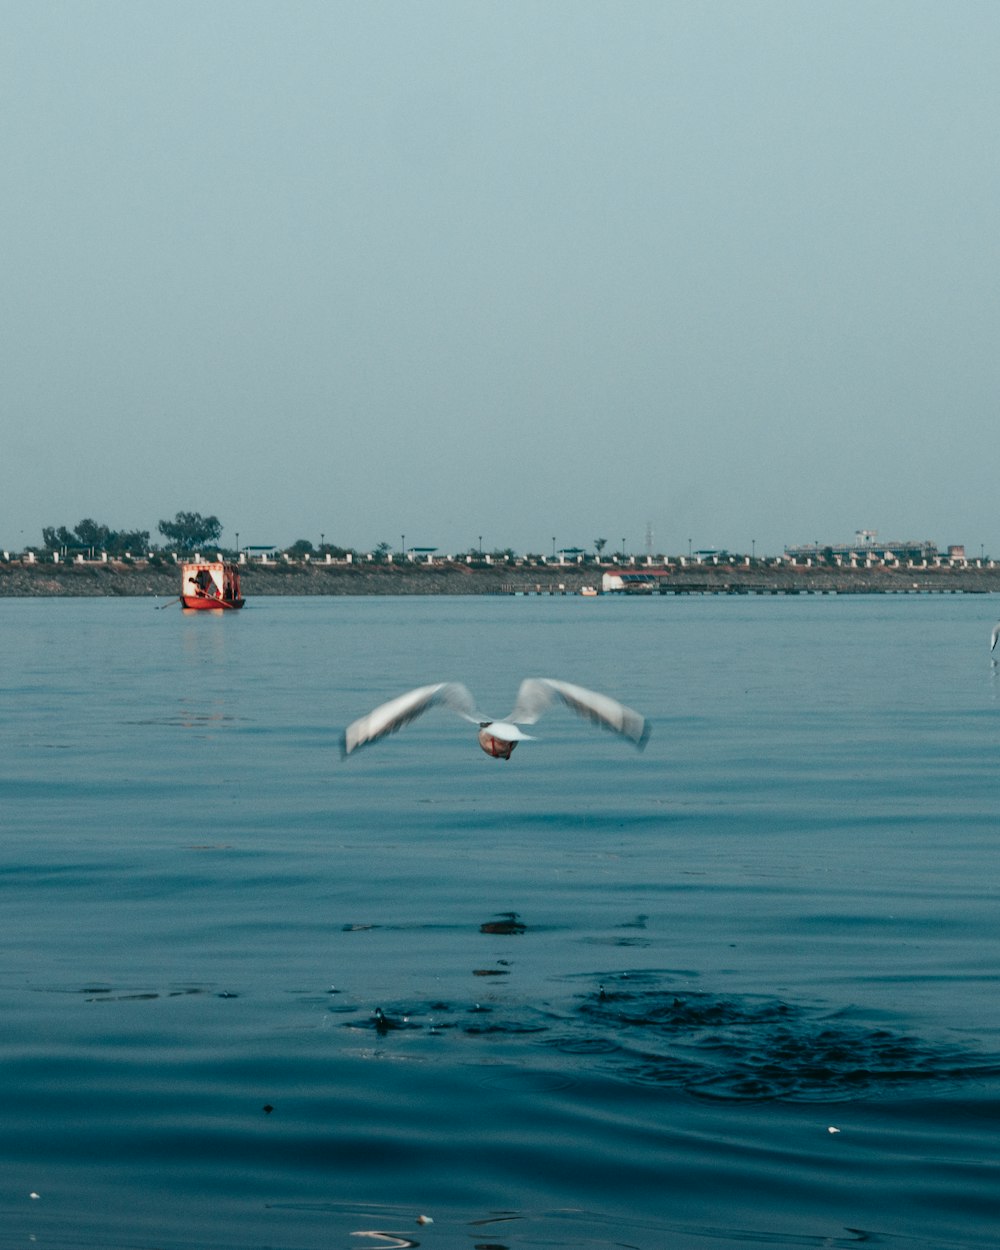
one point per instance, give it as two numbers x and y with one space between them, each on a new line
163 581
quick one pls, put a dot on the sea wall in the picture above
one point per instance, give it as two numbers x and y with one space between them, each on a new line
163 581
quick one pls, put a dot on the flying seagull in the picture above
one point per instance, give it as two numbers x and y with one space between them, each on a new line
994 636
497 737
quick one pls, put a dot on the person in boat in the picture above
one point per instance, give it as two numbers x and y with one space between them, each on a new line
204 584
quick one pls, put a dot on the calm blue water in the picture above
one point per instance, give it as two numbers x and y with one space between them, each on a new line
631 995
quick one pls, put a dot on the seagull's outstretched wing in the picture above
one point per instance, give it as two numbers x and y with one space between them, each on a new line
537 693
388 717
994 636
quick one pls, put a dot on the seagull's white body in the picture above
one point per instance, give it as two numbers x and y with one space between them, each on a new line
497 737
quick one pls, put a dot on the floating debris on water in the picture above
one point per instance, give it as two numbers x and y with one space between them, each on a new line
506 925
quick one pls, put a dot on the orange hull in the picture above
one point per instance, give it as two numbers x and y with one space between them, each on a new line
203 603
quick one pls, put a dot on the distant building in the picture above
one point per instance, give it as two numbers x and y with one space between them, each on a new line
866 546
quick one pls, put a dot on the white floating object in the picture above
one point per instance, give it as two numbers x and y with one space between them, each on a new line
831 1129
424 1219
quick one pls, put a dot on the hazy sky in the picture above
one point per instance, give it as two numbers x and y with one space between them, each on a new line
519 270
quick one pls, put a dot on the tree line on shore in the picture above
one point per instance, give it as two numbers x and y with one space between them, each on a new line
186 532
190 531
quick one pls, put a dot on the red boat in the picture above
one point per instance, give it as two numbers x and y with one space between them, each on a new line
213 585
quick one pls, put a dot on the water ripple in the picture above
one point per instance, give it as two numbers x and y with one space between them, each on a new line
751 1049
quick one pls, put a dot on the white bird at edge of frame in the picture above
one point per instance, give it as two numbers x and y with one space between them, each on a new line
994 636
497 738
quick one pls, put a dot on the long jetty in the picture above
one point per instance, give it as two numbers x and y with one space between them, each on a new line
763 577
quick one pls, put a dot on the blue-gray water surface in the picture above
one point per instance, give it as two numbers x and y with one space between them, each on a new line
739 989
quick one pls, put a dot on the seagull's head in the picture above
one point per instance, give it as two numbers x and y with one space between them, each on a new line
499 738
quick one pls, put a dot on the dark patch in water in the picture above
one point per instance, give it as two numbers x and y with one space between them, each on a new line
507 924
509 1027
107 994
753 1049
723 1047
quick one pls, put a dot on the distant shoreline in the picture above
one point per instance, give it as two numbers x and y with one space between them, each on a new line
111 579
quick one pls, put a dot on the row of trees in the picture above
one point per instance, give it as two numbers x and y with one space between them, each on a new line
190 531
186 532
